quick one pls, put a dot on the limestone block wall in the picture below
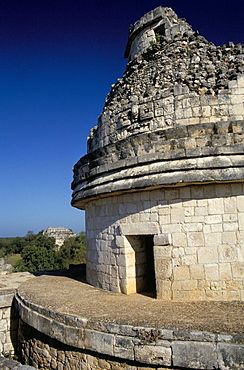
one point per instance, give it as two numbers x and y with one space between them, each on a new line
124 347
195 236
180 107
8 315
51 339
162 181
8 323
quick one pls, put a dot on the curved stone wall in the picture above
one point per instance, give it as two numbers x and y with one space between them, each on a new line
198 153
52 340
180 97
162 181
197 244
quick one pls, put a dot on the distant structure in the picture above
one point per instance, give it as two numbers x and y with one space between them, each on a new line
60 234
162 182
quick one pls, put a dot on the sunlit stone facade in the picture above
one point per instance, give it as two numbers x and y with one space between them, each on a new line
162 182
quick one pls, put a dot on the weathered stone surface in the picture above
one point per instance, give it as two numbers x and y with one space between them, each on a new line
149 343
161 240
124 347
5 268
8 313
163 165
99 342
154 355
196 355
7 364
231 357
132 229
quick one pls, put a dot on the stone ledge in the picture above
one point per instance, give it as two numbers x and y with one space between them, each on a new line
6 297
152 346
7 364
89 191
179 142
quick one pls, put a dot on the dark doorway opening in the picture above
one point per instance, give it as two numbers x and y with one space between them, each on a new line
144 264
160 32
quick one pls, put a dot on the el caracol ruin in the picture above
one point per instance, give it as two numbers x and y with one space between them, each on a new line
162 182
162 188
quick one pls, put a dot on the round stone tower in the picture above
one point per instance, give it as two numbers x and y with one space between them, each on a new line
162 182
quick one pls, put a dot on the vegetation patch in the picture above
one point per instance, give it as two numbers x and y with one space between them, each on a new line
37 252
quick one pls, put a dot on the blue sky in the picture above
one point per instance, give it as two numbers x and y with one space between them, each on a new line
58 59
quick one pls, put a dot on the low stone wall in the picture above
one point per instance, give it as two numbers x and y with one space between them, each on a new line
51 340
8 323
8 364
8 316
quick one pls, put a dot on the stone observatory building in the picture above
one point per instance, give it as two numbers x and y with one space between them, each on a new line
162 182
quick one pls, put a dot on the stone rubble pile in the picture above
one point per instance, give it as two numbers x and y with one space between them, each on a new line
188 59
178 61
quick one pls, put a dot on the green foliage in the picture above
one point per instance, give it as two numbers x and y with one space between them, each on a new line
15 246
72 251
158 36
38 258
12 259
2 250
42 241
39 252
4 242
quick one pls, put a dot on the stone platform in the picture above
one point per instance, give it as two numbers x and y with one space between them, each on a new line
87 324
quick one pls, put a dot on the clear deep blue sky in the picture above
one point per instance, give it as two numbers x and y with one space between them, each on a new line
58 59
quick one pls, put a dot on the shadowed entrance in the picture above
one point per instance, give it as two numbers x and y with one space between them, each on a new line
144 263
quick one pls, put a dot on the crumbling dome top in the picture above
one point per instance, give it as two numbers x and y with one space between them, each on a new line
160 22
174 118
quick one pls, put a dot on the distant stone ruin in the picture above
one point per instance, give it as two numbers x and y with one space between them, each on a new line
60 234
162 182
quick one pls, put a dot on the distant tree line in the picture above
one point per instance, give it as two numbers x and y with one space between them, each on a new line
38 252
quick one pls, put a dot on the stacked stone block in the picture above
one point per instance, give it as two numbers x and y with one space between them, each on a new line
53 340
198 241
165 163
8 323
180 107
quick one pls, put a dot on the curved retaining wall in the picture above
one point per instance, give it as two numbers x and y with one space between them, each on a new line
8 316
53 340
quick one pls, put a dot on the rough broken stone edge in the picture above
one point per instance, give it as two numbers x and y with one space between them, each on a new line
9 364
127 342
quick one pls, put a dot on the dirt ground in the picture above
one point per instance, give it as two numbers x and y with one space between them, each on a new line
72 295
